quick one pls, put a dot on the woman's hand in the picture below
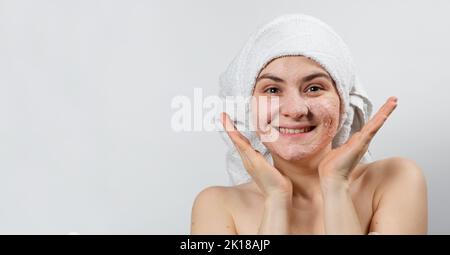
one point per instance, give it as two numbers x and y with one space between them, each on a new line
276 188
269 180
335 171
340 162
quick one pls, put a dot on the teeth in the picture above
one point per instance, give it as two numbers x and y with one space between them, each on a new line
294 131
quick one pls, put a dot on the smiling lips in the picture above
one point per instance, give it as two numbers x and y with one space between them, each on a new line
294 130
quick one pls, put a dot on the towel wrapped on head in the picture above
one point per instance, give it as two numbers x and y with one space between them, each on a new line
292 35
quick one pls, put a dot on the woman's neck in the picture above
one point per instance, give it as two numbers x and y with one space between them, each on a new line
304 175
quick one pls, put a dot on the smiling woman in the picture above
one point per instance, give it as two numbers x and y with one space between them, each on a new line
315 178
303 88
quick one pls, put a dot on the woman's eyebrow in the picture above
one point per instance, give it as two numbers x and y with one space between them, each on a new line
304 79
269 76
316 75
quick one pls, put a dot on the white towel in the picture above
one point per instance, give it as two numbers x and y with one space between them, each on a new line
293 35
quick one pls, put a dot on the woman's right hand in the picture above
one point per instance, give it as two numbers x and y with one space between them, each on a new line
270 181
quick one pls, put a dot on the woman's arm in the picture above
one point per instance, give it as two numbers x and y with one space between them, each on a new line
276 216
402 200
340 215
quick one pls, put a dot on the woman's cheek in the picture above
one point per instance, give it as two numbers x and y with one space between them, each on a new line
327 113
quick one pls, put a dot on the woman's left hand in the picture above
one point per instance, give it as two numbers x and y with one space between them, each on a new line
339 163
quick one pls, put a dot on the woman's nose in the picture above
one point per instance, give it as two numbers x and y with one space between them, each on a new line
293 106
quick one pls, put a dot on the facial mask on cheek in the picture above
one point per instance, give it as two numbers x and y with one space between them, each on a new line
326 115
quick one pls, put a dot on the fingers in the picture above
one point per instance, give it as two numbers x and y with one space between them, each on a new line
239 140
251 158
371 128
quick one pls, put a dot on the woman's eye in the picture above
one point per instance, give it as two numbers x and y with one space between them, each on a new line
314 88
272 90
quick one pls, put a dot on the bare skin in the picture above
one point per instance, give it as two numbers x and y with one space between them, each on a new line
312 188
389 197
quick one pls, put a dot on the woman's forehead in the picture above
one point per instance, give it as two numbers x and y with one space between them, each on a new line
288 66
291 65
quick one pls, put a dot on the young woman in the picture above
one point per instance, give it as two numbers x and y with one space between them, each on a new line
315 185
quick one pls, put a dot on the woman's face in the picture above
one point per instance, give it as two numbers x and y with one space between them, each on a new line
308 108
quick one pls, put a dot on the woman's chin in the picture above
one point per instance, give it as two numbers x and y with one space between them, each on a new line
293 155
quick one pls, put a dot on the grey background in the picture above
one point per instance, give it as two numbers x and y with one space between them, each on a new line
85 90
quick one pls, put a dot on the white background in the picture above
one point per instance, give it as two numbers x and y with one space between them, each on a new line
86 86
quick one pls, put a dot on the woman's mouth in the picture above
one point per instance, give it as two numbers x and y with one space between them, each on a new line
297 132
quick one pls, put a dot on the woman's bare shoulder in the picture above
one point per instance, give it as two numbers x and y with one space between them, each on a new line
215 207
227 195
393 171
400 189
393 167
232 199
211 211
